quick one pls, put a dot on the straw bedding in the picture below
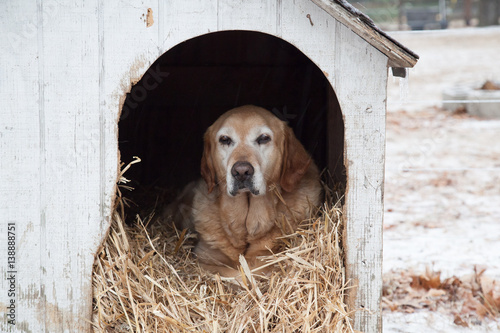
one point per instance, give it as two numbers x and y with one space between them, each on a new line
145 279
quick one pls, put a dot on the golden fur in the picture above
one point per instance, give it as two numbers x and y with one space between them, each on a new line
250 159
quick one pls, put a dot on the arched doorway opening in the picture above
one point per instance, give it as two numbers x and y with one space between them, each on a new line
167 112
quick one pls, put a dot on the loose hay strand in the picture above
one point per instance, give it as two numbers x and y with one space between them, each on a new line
146 280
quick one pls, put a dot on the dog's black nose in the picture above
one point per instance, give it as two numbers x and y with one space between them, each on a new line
242 171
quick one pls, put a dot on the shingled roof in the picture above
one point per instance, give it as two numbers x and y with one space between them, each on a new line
344 12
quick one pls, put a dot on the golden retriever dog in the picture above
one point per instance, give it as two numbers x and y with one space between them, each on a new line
255 175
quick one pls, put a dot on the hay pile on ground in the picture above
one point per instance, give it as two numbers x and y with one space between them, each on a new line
146 280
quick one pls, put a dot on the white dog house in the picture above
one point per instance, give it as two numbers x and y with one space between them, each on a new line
67 69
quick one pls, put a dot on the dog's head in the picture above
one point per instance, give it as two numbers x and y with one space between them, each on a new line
249 149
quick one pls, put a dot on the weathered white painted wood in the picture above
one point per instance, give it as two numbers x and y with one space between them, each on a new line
181 20
60 159
127 47
239 15
70 181
360 83
304 18
20 161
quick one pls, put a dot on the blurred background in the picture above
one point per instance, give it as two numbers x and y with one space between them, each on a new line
430 14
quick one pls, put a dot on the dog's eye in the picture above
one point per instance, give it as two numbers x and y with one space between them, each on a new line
225 140
263 139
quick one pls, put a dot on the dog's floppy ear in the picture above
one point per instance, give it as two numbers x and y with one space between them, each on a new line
207 164
296 161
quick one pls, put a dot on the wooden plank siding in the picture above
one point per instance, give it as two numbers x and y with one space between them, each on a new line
20 175
66 70
70 174
239 15
361 91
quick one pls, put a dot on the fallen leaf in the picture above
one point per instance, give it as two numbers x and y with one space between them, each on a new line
460 322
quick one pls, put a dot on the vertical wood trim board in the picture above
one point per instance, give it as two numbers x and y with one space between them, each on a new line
21 159
70 162
360 82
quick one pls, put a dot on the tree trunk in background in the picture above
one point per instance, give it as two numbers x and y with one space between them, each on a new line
467 11
400 14
489 11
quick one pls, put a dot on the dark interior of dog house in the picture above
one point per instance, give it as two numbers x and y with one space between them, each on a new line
167 112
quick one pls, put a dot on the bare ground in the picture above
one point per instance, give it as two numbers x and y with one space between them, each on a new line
442 192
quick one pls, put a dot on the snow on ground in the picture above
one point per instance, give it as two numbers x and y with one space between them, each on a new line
442 194
429 322
442 188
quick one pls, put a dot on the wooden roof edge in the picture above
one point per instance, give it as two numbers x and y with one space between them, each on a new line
344 12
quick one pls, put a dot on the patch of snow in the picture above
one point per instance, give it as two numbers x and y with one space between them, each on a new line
430 322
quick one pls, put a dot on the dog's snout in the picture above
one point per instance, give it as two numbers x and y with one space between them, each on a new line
242 171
